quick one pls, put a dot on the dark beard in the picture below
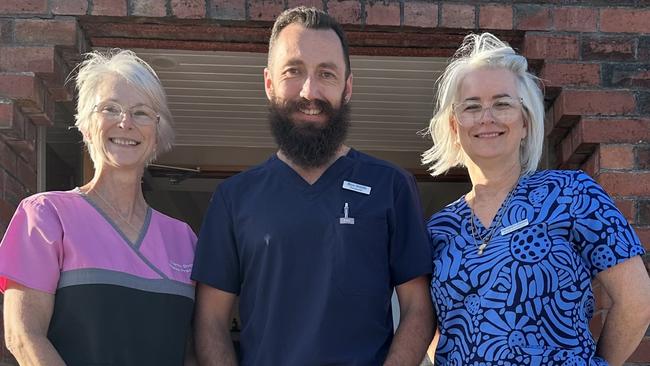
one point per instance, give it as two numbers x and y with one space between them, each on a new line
305 144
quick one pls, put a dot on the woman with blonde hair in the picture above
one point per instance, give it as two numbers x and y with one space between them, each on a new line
514 257
94 276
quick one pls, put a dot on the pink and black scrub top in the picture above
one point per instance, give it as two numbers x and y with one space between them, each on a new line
116 302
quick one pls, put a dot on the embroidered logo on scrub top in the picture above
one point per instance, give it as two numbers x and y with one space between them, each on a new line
346 220
187 268
356 187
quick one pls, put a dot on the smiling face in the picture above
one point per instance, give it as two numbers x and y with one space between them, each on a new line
489 138
307 66
308 93
123 143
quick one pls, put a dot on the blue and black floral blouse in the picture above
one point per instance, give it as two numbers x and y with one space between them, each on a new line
527 300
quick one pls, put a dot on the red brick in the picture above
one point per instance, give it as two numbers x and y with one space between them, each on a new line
55 32
30 95
643 156
599 131
532 17
574 19
626 206
23 7
148 8
230 9
592 102
69 7
644 212
547 47
35 59
265 9
14 191
109 8
644 237
622 20
591 166
608 48
345 12
626 75
6 31
318 4
616 156
26 175
458 16
420 14
642 353
22 86
6 113
6 211
495 17
192 9
564 74
379 13
625 183
8 159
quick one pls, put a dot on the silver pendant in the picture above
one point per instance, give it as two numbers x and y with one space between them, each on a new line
481 248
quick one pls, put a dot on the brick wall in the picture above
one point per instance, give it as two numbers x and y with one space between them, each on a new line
594 58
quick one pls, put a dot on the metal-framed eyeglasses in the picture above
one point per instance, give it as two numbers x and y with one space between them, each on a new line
142 115
503 109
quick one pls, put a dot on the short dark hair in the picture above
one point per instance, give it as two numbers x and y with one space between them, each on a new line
310 18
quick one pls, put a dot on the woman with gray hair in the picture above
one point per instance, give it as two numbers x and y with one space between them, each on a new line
514 257
94 276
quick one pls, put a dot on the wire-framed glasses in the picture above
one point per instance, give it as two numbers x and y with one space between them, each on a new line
142 115
503 109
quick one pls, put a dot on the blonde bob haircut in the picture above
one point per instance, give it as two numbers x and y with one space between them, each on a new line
127 65
483 51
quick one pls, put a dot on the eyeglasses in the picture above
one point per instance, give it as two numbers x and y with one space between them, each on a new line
503 110
141 114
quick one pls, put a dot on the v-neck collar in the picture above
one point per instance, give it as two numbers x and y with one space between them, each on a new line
478 224
329 175
143 230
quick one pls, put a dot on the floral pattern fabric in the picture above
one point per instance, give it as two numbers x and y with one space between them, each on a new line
527 300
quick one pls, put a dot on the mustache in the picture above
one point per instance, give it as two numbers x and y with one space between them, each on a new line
296 105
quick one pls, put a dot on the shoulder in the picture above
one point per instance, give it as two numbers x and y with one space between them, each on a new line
560 178
49 200
451 211
170 223
250 176
372 165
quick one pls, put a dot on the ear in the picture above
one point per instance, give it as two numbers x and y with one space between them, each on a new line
268 84
348 90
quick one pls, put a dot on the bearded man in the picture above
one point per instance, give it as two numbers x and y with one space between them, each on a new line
314 240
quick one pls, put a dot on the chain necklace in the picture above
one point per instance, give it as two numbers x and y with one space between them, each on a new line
496 222
124 219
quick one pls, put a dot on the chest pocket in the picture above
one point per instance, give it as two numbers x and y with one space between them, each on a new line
361 264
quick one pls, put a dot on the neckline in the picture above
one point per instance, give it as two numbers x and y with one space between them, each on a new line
143 230
478 224
324 180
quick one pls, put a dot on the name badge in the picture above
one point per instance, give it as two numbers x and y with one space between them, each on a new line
513 227
356 187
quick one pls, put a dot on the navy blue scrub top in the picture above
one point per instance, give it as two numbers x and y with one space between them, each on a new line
314 289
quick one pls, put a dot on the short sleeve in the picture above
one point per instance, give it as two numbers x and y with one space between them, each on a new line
599 231
31 250
410 251
216 262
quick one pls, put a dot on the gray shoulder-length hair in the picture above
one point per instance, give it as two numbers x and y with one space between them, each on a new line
126 64
483 51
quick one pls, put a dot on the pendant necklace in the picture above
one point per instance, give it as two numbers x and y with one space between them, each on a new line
484 240
125 220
